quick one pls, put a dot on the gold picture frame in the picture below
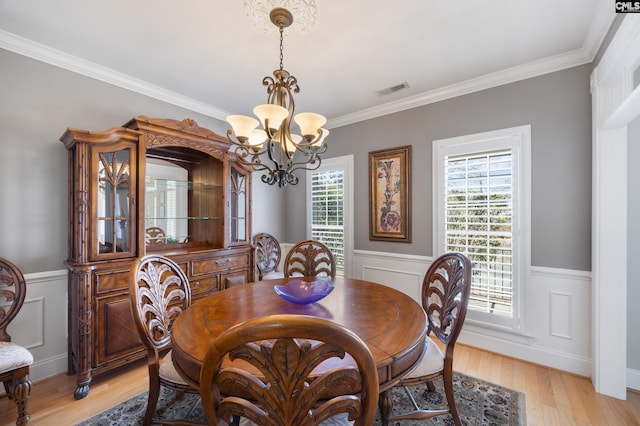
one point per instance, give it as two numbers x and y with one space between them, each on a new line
390 194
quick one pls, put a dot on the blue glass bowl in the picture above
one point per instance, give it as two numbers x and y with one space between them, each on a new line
304 292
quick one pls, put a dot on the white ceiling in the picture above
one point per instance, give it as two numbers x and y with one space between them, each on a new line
208 56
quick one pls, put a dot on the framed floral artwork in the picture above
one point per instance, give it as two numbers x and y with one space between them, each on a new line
390 194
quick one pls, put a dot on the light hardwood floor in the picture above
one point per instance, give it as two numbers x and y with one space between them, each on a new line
552 397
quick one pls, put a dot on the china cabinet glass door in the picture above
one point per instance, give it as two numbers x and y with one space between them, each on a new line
113 203
239 230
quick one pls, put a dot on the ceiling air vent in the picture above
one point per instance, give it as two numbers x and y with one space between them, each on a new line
392 89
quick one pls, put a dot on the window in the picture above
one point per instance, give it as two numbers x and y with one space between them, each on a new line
482 198
329 213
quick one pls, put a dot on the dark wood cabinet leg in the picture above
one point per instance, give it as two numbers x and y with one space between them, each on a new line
82 387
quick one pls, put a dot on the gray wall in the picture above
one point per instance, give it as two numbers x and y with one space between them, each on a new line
558 107
38 103
268 210
633 248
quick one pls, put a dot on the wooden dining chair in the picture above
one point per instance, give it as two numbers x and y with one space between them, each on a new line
309 258
159 292
14 359
267 255
154 235
269 381
445 296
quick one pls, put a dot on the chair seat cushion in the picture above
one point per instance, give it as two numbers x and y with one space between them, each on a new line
168 371
13 356
431 363
273 275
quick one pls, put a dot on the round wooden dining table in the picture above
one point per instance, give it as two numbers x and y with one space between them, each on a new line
392 324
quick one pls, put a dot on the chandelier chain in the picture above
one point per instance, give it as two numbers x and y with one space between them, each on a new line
281 48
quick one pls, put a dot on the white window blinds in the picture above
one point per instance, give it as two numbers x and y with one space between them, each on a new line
327 212
479 223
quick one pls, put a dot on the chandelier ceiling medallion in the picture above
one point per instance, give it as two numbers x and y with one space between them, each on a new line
274 148
305 11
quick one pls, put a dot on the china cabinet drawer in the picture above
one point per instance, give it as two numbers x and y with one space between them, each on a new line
204 285
111 280
220 263
234 278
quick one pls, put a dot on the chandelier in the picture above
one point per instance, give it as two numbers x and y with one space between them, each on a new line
274 148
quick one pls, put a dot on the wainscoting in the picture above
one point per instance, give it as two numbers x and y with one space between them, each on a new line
556 323
556 320
41 324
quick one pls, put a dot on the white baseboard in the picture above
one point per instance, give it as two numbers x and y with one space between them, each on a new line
633 379
527 352
48 367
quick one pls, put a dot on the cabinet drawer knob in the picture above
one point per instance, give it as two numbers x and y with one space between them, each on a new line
223 262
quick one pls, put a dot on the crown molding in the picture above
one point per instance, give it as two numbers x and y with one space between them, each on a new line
602 20
40 52
621 53
603 17
511 75
597 32
600 25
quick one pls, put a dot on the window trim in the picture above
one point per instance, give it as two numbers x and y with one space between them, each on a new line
344 162
518 139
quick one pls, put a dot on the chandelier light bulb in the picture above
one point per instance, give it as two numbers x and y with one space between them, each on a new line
257 139
275 114
242 126
309 123
290 145
320 140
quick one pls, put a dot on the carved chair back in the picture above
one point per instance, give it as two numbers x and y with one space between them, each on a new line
15 360
154 235
267 375
13 290
445 295
309 258
159 292
267 253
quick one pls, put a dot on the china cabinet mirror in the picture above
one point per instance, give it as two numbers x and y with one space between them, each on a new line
184 199
166 203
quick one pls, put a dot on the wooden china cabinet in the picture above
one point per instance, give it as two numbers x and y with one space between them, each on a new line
173 178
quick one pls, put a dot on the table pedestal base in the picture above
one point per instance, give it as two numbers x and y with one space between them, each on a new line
385 405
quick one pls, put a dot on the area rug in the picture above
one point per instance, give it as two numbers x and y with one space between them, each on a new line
479 403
